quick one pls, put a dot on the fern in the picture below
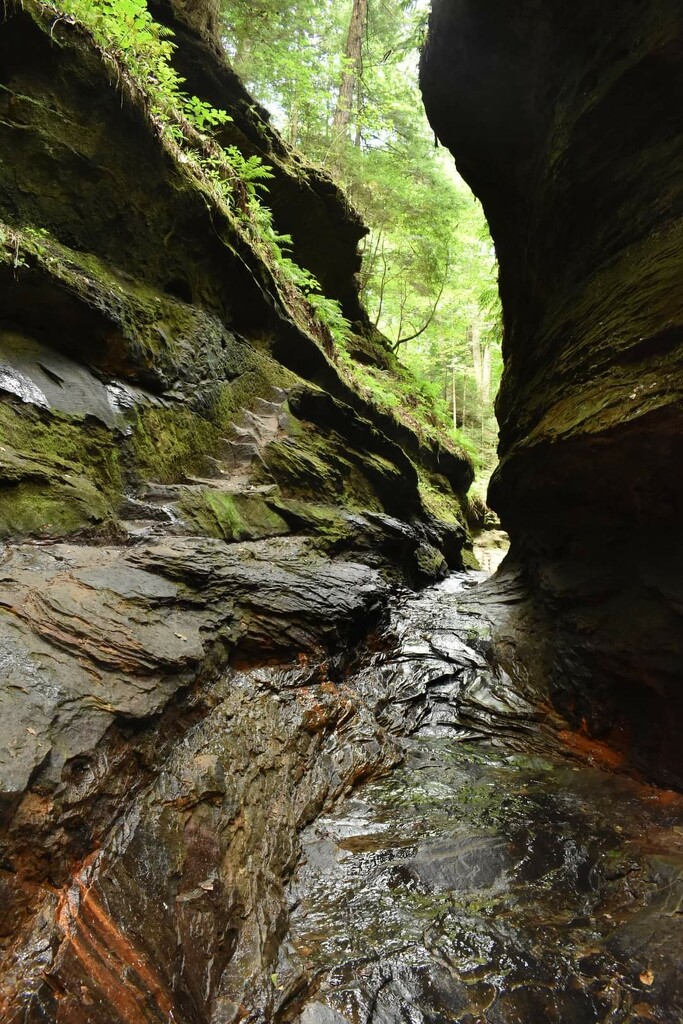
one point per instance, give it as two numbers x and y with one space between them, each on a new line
329 313
127 32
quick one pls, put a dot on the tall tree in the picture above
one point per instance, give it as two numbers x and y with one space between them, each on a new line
352 71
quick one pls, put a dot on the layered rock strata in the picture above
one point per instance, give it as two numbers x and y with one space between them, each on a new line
154 365
153 782
200 518
567 124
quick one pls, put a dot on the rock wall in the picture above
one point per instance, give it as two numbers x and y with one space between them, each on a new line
150 350
567 123
200 519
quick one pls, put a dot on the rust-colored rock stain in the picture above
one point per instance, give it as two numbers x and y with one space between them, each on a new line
118 975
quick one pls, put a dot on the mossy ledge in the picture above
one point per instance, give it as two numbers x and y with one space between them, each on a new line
158 368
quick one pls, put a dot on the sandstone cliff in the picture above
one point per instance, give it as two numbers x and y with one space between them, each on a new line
566 121
181 456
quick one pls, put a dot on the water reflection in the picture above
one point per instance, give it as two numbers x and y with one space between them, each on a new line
490 879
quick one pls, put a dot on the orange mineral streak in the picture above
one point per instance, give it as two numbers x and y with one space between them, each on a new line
594 751
666 798
97 955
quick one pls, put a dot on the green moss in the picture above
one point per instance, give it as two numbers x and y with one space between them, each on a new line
439 500
167 445
300 469
63 443
395 390
330 528
430 563
469 559
231 516
144 333
30 509
311 465
382 472
257 380
58 475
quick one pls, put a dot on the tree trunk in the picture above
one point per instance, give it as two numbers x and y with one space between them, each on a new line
453 398
353 67
475 342
486 377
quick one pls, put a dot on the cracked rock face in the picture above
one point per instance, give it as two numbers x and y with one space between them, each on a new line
567 124
91 634
151 794
180 458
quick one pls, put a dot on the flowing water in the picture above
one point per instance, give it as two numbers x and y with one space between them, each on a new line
493 877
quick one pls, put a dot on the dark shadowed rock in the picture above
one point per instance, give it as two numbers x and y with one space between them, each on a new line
568 125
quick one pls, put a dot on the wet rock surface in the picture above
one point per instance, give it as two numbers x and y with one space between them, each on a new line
477 884
89 634
487 881
151 789
478 875
201 522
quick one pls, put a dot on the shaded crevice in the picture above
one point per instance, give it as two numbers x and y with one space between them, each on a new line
564 123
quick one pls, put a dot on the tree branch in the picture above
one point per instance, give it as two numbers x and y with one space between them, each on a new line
411 337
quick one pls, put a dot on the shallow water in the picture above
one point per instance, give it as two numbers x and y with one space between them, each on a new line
491 878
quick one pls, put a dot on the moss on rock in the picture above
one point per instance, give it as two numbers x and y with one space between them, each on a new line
178 319
231 517
57 509
57 476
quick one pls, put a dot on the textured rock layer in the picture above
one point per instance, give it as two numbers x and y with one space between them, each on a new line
147 341
180 460
567 123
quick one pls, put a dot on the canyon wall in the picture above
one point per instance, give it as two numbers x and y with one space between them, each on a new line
202 515
567 123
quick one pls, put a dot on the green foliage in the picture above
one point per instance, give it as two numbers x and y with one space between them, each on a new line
395 390
143 49
428 263
299 276
327 311
428 266
126 29
203 115
290 55
330 314
126 33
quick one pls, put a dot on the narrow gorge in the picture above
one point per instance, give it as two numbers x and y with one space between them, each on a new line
273 748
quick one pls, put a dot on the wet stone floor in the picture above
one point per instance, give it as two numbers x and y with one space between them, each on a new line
485 883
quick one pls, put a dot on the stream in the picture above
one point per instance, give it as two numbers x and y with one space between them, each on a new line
494 877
